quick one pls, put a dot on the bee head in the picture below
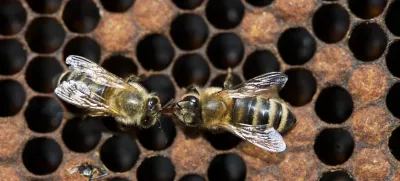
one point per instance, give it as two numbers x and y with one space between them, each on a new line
188 110
153 109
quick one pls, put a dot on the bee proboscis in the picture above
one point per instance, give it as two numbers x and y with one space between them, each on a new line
90 171
87 85
252 110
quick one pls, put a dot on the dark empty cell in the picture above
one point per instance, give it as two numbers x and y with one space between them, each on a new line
81 135
225 50
334 146
156 168
260 62
336 176
192 177
83 46
331 23
12 56
227 166
119 153
81 16
118 179
392 61
222 141
220 79
155 52
296 46
161 85
394 145
12 96
188 4
12 17
45 35
392 100
111 124
224 14
367 41
42 156
300 87
158 137
43 114
334 105
189 31
45 6
191 69
117 5
392 17
120 65
259 3
367 9
40 73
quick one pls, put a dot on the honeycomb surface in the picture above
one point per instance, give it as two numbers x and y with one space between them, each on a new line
341 56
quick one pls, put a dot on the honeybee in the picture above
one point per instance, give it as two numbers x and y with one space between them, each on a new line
251 110
90 171
101 93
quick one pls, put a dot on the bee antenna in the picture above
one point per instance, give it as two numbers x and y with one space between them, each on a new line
164 135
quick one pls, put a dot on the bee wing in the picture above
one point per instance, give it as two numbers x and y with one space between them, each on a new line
267 139
94 72
79 94
268 83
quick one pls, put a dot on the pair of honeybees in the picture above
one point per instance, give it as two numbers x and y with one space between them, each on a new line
251 110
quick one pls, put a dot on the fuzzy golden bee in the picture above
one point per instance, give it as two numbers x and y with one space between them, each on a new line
101 93
251 110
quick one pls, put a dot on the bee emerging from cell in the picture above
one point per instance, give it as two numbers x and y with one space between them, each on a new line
90 171
101 93
252 110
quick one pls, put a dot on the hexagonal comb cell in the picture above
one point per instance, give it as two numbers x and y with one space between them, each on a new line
225 50
44 6
188 4
155 52
157 164
224 14
334 146
336 175
227 166
189 31
43 114
259 3
13 56
42 155
331 23
393 143
13 97
83 46
119 153
117 5
13 17
45 35
191 69
41 73
120 65
81 16
192 177
81 135
367 9
159 136
334 105
260 62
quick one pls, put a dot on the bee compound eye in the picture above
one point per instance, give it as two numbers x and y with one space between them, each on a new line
192 99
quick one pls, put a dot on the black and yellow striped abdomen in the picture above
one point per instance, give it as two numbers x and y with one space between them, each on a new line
262 111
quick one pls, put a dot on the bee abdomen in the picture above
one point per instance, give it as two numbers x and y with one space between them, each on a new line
261 111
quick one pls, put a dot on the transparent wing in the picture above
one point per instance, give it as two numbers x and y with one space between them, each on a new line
269 83
94 72
79 94
267 139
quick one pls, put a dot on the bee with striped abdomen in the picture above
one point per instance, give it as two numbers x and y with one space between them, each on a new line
89 171
101 93
251 110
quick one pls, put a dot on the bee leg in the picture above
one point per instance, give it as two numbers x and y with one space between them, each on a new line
228 79
192 89
135 78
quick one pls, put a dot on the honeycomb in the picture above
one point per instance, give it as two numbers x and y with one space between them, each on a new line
341 58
